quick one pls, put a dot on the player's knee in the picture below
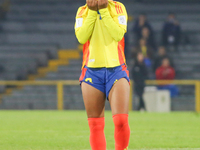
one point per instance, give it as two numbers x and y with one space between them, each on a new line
96 123
94 115
120 120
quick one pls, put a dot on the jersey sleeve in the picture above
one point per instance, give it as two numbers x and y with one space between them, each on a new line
84 25
117 25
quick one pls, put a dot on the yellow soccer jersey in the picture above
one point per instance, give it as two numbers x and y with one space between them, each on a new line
102 33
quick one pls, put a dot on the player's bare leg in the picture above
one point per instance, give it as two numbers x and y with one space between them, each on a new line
119 102
119 97
94 101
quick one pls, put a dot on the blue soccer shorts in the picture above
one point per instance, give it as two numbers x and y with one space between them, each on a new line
104 78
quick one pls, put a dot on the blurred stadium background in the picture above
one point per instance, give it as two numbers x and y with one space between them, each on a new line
37 43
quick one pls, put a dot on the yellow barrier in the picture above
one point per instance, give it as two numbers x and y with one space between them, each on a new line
61 83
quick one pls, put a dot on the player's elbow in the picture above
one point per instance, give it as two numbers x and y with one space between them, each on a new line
82 41
119 36
80 37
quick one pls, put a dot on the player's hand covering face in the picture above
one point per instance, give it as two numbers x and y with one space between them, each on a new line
102 4
92 4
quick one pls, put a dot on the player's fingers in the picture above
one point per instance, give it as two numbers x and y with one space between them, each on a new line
89 2
99 2
102 2
105 1
92 2
96 2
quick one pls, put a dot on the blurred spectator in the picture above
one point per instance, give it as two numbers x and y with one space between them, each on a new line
144 48
139 73
160 56
140 23
171 32
165 71
2 70
4 8
146 51
148 37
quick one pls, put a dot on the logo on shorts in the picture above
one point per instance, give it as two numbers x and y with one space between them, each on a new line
115 81
88 80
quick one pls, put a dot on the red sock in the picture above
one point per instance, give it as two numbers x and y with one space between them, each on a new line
122 131
97 137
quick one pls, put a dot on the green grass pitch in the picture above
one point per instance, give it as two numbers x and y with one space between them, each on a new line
68 130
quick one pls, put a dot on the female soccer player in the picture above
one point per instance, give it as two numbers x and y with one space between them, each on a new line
100 26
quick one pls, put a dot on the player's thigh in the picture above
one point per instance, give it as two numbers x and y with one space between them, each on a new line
94 101
119 97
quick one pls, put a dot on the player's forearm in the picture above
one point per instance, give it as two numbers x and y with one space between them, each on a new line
84 32
114 29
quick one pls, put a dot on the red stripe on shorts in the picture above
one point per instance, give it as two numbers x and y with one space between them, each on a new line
124 68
